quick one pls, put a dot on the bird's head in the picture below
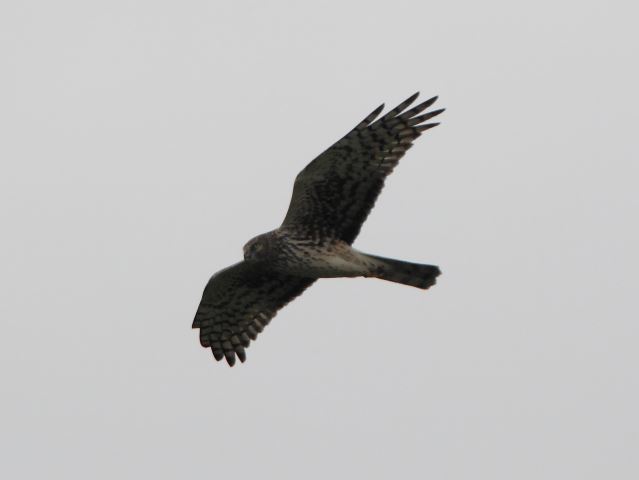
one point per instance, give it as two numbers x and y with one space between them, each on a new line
256 248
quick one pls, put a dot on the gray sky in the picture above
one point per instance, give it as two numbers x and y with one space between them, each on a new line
144 142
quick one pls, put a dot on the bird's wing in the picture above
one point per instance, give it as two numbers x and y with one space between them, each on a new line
334 194
238 302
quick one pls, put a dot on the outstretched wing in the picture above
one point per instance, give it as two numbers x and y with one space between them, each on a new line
335 193
238 302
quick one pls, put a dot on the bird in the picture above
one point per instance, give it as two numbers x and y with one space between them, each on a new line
332 197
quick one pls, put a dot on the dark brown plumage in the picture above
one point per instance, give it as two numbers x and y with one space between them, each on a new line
332 198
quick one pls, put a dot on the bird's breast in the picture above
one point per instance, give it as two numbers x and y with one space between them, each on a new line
317 259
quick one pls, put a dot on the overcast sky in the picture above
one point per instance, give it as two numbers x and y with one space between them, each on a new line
144 142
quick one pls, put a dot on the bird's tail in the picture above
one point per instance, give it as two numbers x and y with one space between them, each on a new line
407 273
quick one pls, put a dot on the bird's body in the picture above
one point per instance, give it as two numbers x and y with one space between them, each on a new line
317 257
331 199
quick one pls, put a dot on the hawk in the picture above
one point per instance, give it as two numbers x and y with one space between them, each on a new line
331 199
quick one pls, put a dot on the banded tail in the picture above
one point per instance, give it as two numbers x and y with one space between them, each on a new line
407 273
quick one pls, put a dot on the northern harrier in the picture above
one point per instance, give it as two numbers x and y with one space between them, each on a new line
331 199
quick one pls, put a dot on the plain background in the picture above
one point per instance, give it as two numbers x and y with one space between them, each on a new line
143 142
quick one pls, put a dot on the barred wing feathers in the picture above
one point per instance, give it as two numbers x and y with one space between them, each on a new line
334 194
238 302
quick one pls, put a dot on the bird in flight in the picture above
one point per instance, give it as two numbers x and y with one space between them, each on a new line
331 199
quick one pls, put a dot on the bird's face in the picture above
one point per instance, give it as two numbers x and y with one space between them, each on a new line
255 248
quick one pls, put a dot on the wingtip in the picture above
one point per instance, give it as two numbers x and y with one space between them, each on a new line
427 126
431 100
230 357
370 118
241 354
410 100
218 354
